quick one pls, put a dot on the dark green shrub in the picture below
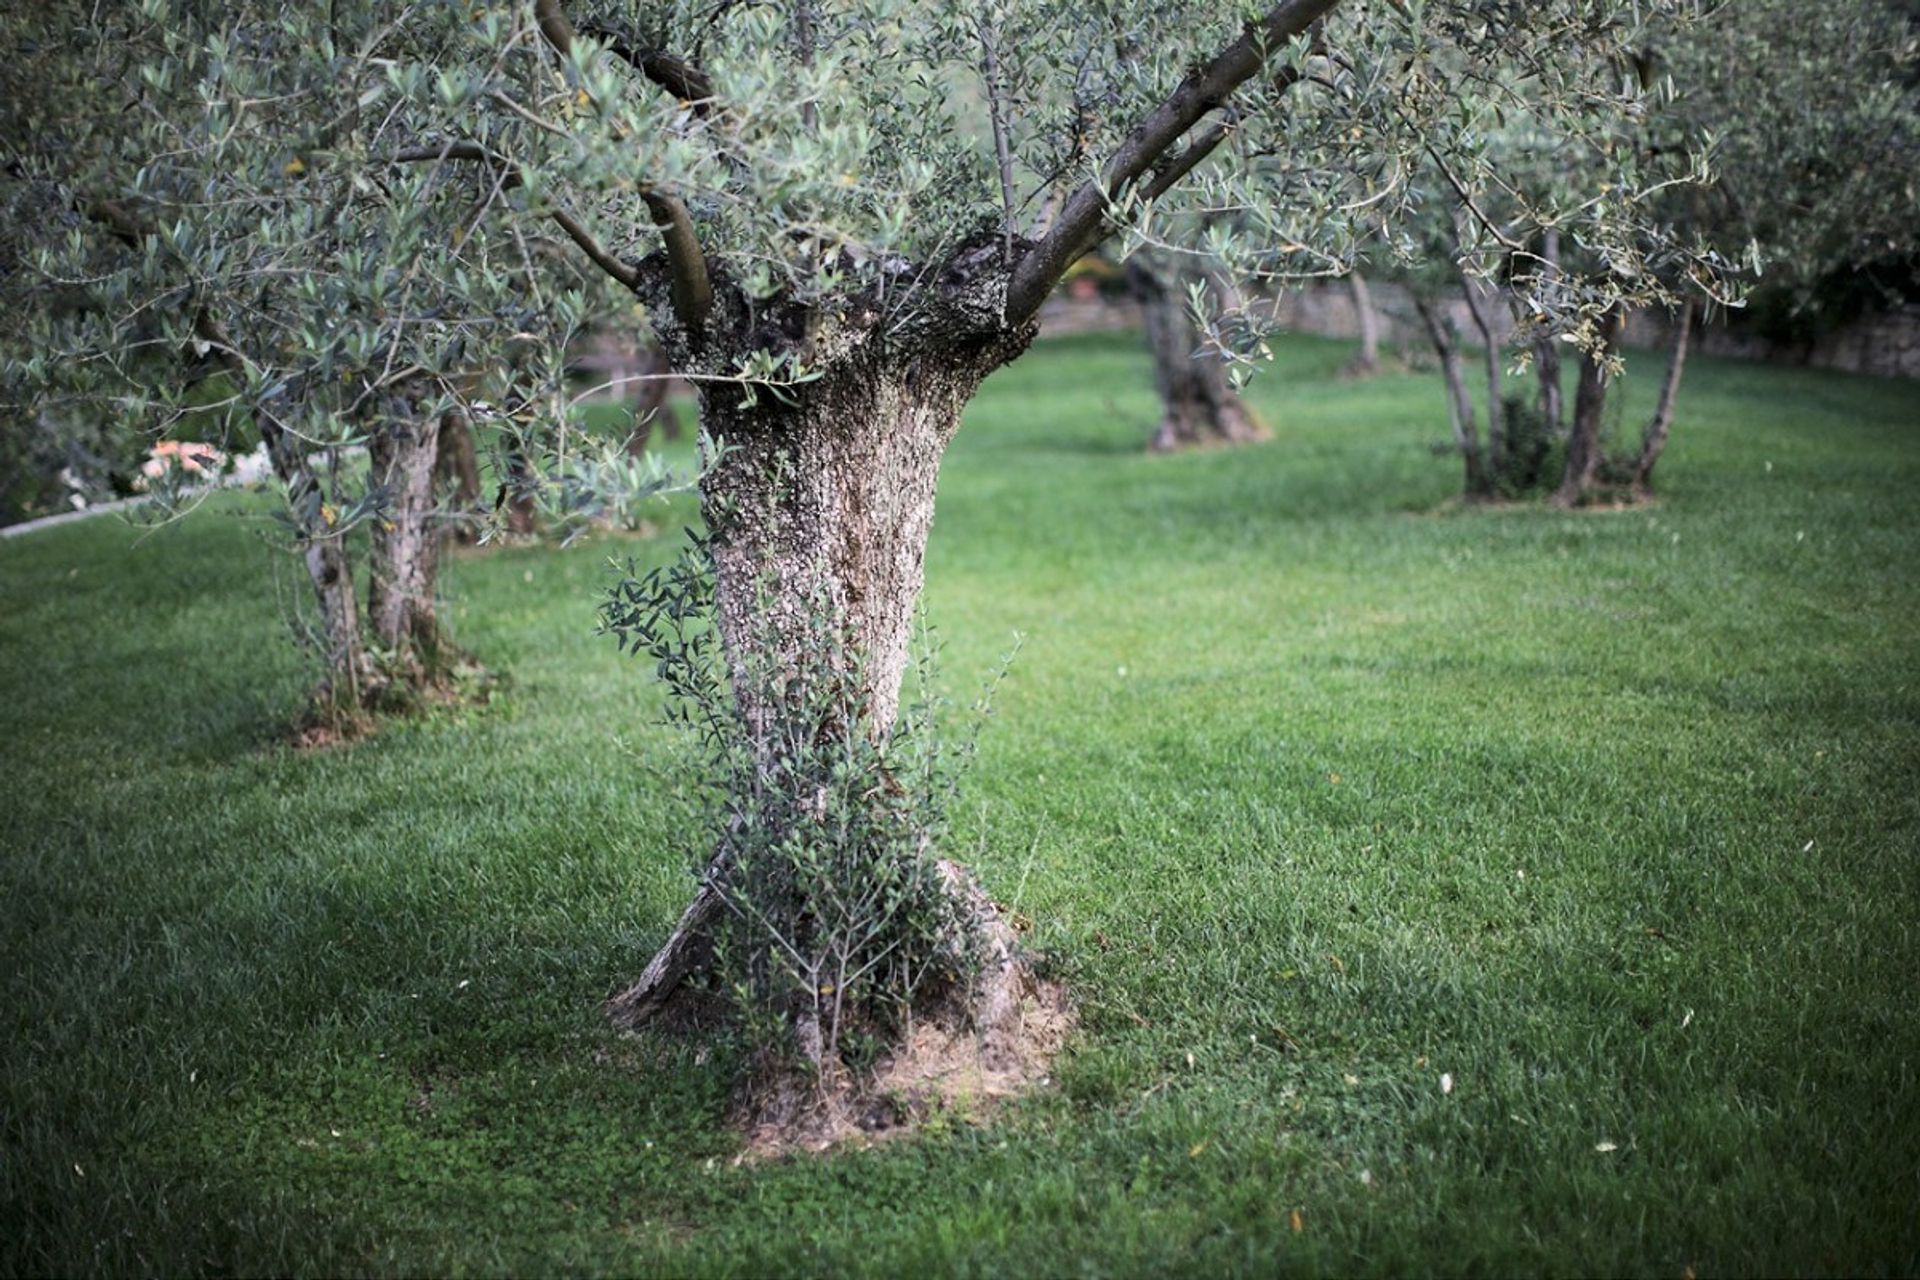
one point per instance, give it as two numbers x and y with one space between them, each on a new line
1535 454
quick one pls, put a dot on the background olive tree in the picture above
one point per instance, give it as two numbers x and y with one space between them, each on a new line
1771 149
229 244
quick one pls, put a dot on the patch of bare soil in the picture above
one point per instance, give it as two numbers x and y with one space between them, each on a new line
1598 506
463 685
322 729
982 1044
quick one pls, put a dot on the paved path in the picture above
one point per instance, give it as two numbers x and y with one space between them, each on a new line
68 517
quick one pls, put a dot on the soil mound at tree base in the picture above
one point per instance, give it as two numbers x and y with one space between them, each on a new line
982 1044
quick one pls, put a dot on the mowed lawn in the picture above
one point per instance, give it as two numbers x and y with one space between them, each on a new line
1444 891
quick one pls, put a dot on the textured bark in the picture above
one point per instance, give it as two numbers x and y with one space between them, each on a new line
457 471
1466 434
517 493
349 672
349 679
1546 349
1589 404
1367 363
823 502
1481 309
1198 404
1654 442
830 501
403 546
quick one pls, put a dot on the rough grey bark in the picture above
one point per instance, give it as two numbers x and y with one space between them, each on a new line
1654 441
349 679
1198 404
1367 362
403 547
1589 404
1546 349
1459 400
1480 307
824 498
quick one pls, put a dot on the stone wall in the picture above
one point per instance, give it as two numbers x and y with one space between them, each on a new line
1885 345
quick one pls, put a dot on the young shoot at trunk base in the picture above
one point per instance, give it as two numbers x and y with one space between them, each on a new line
872 982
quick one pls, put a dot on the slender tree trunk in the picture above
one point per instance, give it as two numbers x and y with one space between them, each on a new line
823 503
349 678
457 470
1546 349
1199 405
1546 360
1480 307
1589 404
1367 363
517 492
1654 442
349 673
1459 400
649 400
404 545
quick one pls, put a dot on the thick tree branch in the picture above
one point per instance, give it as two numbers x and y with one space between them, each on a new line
1167 175
554 25
1083 220
578 233
676 75
687 264
448 151
692 290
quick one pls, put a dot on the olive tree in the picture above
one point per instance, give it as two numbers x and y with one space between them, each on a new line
1199 405
840 218
220 239
810 211
1814 116
1565 230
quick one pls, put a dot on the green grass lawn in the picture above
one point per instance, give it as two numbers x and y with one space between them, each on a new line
1319 791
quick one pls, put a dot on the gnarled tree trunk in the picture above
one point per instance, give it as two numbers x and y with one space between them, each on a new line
1654 442
1480 307
1198 404
349 675
825 501
1589 405
1479 484
404 545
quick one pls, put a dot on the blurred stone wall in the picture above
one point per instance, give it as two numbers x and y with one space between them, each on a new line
1885 345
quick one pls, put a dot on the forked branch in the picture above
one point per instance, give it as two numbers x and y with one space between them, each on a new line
1083 221
686 262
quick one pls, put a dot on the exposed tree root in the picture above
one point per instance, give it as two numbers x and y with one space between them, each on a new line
978 1044
331 722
